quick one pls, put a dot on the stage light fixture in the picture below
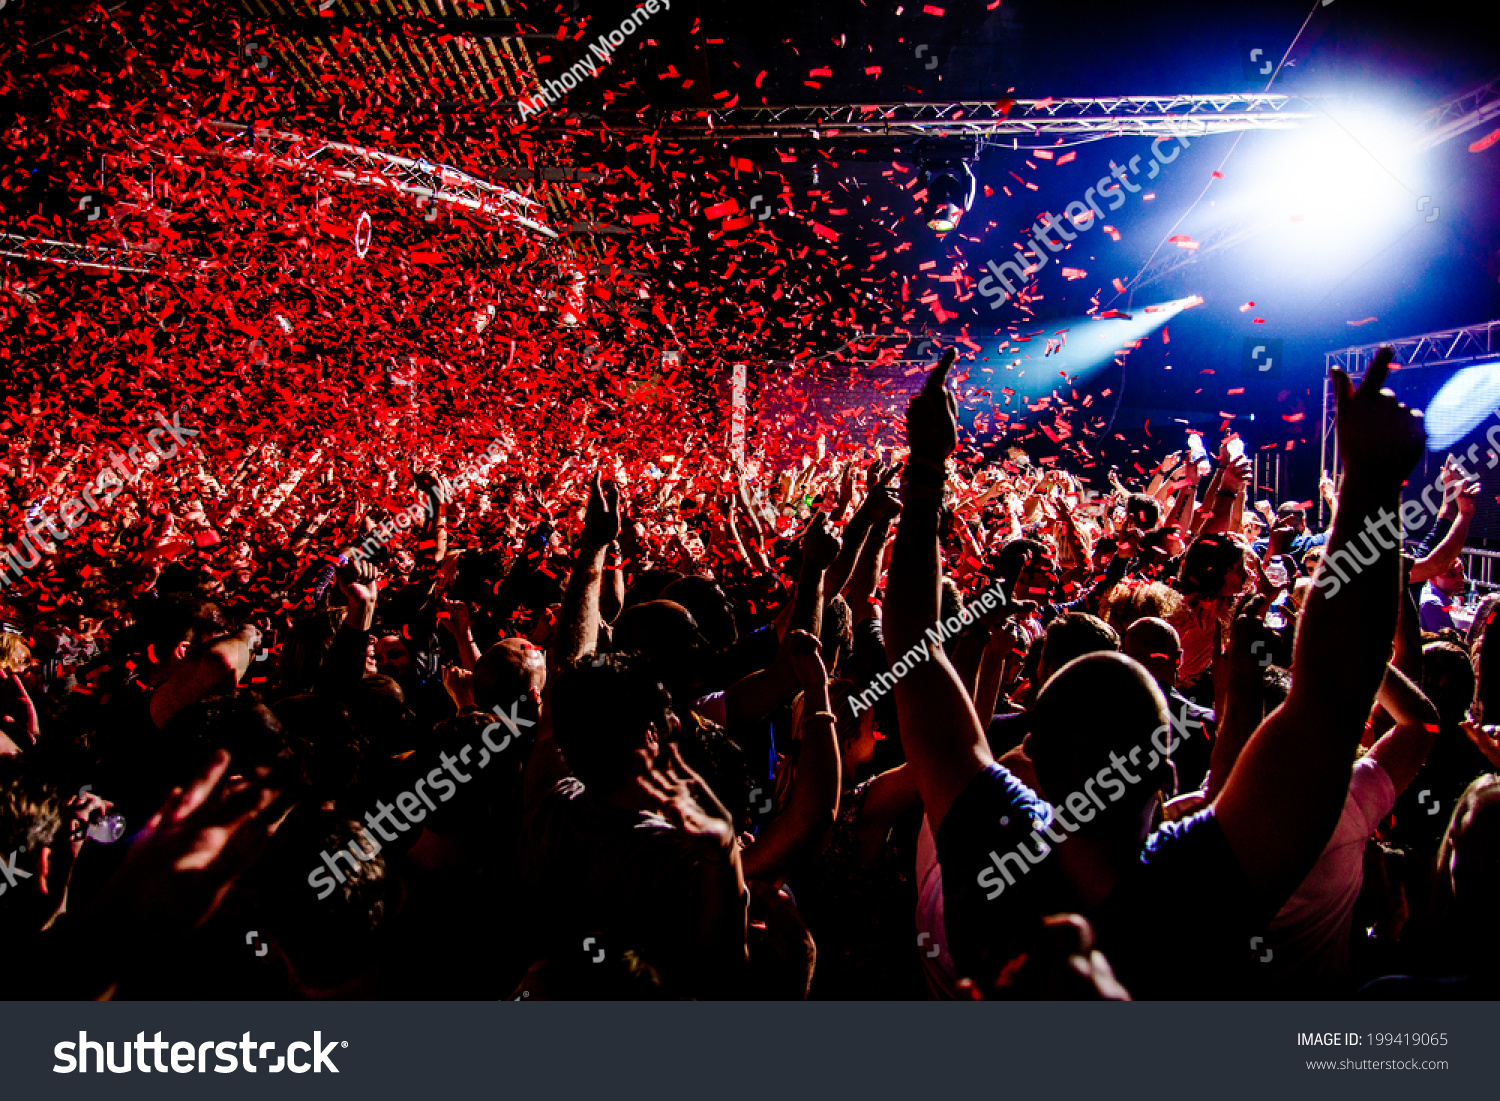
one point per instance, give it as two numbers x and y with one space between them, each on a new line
950 193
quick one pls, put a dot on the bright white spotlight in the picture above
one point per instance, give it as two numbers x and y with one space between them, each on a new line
1353 168
1462 405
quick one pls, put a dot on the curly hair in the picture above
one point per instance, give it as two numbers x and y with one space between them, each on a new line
15 655
1132 599
31 808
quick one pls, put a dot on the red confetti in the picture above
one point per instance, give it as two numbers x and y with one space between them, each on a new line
1485 142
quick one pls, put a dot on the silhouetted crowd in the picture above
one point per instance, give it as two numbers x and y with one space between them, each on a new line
877 726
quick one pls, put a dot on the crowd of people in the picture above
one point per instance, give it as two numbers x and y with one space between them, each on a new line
883 726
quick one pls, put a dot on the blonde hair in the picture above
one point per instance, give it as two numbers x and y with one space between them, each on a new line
15 655
1132 600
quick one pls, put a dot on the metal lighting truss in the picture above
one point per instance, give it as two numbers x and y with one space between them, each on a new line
364 167
1448 119
1458 114
352 163
71 255
1106 116
1448 348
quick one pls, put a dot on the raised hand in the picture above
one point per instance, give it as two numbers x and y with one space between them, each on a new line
932 417
1468 498
1251 642
883 504
1325 487
1237 473
601 520
1380 439
1282 533
683 799
459 684
357 581
433 484
820 546
1486 739
82 811
455 616
179 868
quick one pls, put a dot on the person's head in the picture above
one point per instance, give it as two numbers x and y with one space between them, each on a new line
1156 645
649 585
1453 580
1070 636
378 709
1029 563
15 655
1133 600
1466 891
237 721
1163 544
174 625
1275 686
720 762
1142 511
392 657
31 821
666 633
619 976
182 579
324 737
709 607
605 709
1099 722
1448 680
511 670
1213 569
326 928
1295 514
306 648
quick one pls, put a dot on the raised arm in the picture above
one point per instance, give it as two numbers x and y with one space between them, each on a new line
1228 490
1465 497
940 731
813 803
855 534
214 669
1281 802
578 621
1404 750
805 611
1184 504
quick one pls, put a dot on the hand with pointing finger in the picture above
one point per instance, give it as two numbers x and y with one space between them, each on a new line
932 417
1380 439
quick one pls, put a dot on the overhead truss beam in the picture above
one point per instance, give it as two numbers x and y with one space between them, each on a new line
364 167
1185 115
